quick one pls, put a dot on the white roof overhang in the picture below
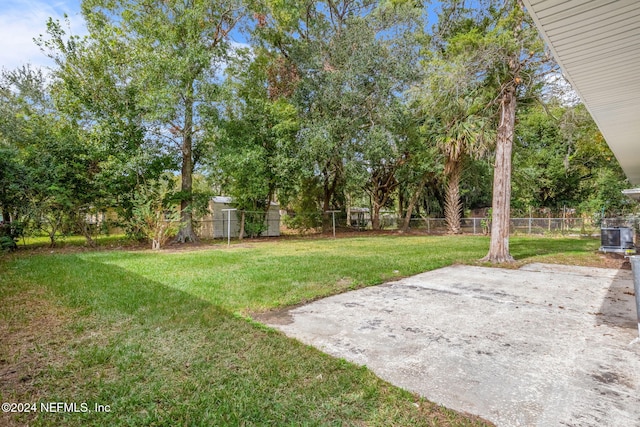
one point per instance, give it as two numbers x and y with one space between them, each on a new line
597 44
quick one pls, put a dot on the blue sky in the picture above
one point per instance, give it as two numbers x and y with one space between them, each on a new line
23 20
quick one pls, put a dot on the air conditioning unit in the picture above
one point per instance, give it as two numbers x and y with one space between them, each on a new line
617 239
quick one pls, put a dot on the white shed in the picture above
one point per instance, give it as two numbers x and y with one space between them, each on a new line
221 219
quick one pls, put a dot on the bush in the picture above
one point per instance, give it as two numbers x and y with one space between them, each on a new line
254 224
153 216
9 234
7 244
304 221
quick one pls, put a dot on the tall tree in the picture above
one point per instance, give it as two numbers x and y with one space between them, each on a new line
519 57
94 85
454 98
178 47
254 156
507 56
347 75
562 159
14 183
458 126
60 161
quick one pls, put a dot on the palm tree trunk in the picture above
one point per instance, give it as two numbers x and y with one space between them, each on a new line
452 203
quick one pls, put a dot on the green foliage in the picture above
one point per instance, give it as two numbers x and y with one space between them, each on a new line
332 103
304 214
59 161
153 215
475 185
605 194
14 184
7 243
94 87
255 153
254 224
10 232
347 64
304 220
562 159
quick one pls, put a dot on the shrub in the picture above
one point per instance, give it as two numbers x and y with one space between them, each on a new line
9 234
153 216
254 224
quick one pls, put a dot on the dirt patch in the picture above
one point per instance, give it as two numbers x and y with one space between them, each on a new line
440 416
178 248
612 260
34 335
275 317
597 259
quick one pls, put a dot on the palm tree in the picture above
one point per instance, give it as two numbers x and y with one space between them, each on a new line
459 132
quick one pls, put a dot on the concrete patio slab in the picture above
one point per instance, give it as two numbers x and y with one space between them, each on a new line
546 345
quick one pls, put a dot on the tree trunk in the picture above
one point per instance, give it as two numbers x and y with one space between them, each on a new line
326 222
329 190
381 185
401 202
242 218
86 232
186 233
375 216
452 204
54 224
501 205
82 222
267 208
412 203
348 209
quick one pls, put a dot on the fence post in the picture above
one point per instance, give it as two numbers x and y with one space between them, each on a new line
228 224
333 220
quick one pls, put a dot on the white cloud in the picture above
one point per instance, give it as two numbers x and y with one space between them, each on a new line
557 86
21 21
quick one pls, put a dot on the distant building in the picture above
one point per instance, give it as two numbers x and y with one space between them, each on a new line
221 222
359 218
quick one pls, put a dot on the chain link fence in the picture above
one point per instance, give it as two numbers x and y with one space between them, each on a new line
259 224
227 224
361 220
517 225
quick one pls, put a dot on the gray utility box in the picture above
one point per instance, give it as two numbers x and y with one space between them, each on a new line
617 239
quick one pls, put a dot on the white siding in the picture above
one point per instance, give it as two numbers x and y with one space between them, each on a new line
597 44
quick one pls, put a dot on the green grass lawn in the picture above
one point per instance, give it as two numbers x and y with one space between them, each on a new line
162 337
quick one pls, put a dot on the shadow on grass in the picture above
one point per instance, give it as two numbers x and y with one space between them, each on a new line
524 247
159 356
